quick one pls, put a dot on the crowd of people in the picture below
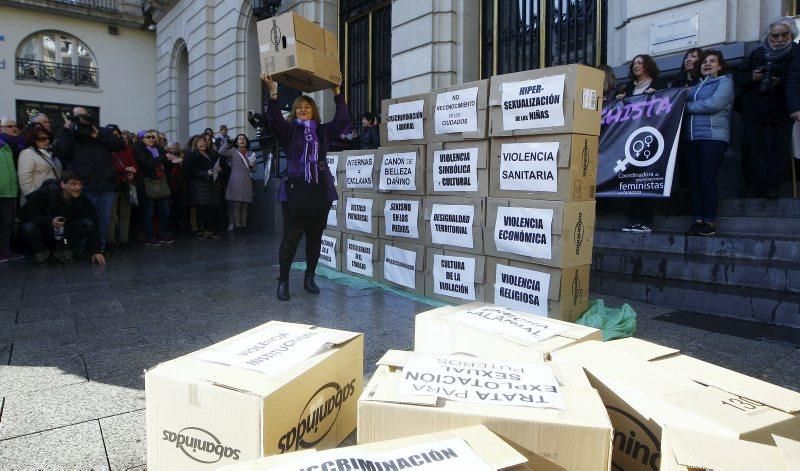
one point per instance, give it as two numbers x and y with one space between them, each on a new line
764 90
91 189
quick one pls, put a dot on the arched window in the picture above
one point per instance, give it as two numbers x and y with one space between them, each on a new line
55 56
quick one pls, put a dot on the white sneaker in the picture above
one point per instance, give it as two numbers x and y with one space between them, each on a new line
230 227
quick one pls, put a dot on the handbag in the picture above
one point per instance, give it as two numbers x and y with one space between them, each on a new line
156 188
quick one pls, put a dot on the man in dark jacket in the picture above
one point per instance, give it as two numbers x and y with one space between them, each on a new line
59 216
793 86
88 151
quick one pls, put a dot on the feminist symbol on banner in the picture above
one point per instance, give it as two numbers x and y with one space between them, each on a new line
642 149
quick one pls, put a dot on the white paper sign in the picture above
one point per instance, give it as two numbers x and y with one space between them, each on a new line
482 381
401 217
451 224
327 252
271 350
511 324
524 231
358 171
398 171
333 165
521 289
405 121
359 257
455 170
454 276
529 166
333 220
457 111
442 455
399 266
532 104
358 214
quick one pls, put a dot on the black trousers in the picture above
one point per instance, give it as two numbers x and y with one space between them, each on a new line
8 210
294 227
207 218
40 238
766 148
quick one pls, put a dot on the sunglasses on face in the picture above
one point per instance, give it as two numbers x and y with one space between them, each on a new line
148 137
9 126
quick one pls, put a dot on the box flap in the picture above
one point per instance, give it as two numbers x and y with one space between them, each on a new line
704 451
382 388
643 349
394 358
732 382
790 451
308 33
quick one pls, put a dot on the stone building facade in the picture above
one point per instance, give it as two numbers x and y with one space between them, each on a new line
98 54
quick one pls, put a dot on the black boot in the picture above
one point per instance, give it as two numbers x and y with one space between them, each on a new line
309 284
283 290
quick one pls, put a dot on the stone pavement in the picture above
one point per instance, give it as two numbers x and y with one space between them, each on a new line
74 340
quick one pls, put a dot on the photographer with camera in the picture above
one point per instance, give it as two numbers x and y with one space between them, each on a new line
766 136
87 150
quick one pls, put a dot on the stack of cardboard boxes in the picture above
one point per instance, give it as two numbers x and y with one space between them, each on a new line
482 191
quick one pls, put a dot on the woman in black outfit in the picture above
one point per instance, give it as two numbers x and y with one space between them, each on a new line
689 74
200 170
643 74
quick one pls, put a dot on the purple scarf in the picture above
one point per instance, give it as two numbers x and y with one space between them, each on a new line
310 156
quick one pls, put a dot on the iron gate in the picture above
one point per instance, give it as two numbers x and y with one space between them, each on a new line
366 26
529 34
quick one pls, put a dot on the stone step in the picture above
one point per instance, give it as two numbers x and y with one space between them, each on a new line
757 305
724 271
760 207
788 227
739 247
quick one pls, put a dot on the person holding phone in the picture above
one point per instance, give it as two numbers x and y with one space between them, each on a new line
307 192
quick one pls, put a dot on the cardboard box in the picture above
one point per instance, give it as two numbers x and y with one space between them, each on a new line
688 450
331 251
643 397
402 219
454 277
210 408
358 170
401 170
709 374
558 293
577 437
458 168
402 265
463 106
336 213
555 100
551 233
362 213
562 167
336 163
407 117
489 448
488 330
457 223
360 256
298 53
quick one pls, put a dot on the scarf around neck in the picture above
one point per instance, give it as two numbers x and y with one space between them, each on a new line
773 55
310 156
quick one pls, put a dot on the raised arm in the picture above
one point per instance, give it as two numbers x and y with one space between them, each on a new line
277 123
341 118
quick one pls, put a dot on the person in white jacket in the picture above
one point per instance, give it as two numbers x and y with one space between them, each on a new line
36 163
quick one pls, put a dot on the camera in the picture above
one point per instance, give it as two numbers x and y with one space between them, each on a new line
82 124
765 85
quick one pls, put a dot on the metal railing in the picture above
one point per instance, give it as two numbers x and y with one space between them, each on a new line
106 5
40 71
